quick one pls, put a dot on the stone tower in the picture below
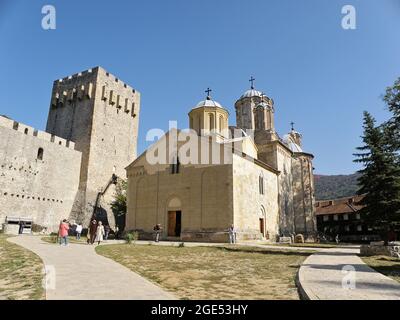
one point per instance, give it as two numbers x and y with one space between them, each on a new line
100 114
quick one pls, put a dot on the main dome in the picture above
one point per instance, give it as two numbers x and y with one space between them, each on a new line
208 103
251 93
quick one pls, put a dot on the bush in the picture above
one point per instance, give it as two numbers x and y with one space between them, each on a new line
181 245
37 228
131 237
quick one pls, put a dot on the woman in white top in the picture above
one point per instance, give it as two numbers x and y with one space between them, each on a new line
99 233
78 231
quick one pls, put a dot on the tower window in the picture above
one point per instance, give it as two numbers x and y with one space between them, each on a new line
40 154
211 118
175 166
26 131
261 184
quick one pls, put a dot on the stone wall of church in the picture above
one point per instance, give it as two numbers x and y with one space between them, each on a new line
303 190
41 185
100 114
250 205
286 203
203 194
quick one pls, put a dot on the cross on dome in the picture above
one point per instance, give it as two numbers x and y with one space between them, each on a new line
252 82
208 93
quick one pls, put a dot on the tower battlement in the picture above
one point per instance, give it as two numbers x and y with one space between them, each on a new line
86 84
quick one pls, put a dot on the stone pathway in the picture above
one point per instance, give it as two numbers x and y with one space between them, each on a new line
81 274
321 277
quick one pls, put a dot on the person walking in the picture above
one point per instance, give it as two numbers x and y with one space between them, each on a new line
157 229
63 232
107 230
232 234
92 231
337 239
78 231
21 227
99 232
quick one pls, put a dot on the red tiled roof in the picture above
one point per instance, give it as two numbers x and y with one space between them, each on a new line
338 206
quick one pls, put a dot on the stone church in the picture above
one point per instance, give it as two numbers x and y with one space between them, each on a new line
69 170
197 183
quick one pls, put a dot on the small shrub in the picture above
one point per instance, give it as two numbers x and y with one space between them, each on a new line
54 238
131 237
37 228
181 245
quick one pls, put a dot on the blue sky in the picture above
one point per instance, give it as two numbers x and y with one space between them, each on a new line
321 76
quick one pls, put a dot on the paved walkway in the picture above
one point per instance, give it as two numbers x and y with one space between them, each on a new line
81 274
321 277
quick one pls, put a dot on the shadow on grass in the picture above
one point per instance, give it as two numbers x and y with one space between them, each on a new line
265 251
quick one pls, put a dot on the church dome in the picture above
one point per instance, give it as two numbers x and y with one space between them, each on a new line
288 140
208 103
251 93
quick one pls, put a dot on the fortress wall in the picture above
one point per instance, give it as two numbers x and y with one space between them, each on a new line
42 189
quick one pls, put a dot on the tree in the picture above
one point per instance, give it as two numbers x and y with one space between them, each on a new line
392 99
118 205
379 181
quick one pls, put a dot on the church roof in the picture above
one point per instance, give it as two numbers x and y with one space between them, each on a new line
251 93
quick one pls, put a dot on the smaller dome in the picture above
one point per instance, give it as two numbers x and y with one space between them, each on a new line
288 140
208 103
251 93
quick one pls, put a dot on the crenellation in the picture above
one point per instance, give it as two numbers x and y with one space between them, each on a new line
30 131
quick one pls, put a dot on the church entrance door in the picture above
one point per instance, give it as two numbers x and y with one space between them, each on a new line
174 223
262 227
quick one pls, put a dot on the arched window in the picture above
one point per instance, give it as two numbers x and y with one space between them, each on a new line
261 184
26 131
40 154
211 121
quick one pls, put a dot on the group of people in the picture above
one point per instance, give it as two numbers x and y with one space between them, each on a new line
97 232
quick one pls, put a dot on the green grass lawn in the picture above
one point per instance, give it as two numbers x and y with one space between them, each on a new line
213 272
386 265
20 272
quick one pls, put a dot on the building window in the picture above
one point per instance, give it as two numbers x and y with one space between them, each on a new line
26 131
345 216
211 119
221 123
335 217
358 217
261 184
40 154
359 228
347 228
175 166
326 218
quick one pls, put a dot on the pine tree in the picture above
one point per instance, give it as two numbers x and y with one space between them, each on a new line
379 180
392 99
